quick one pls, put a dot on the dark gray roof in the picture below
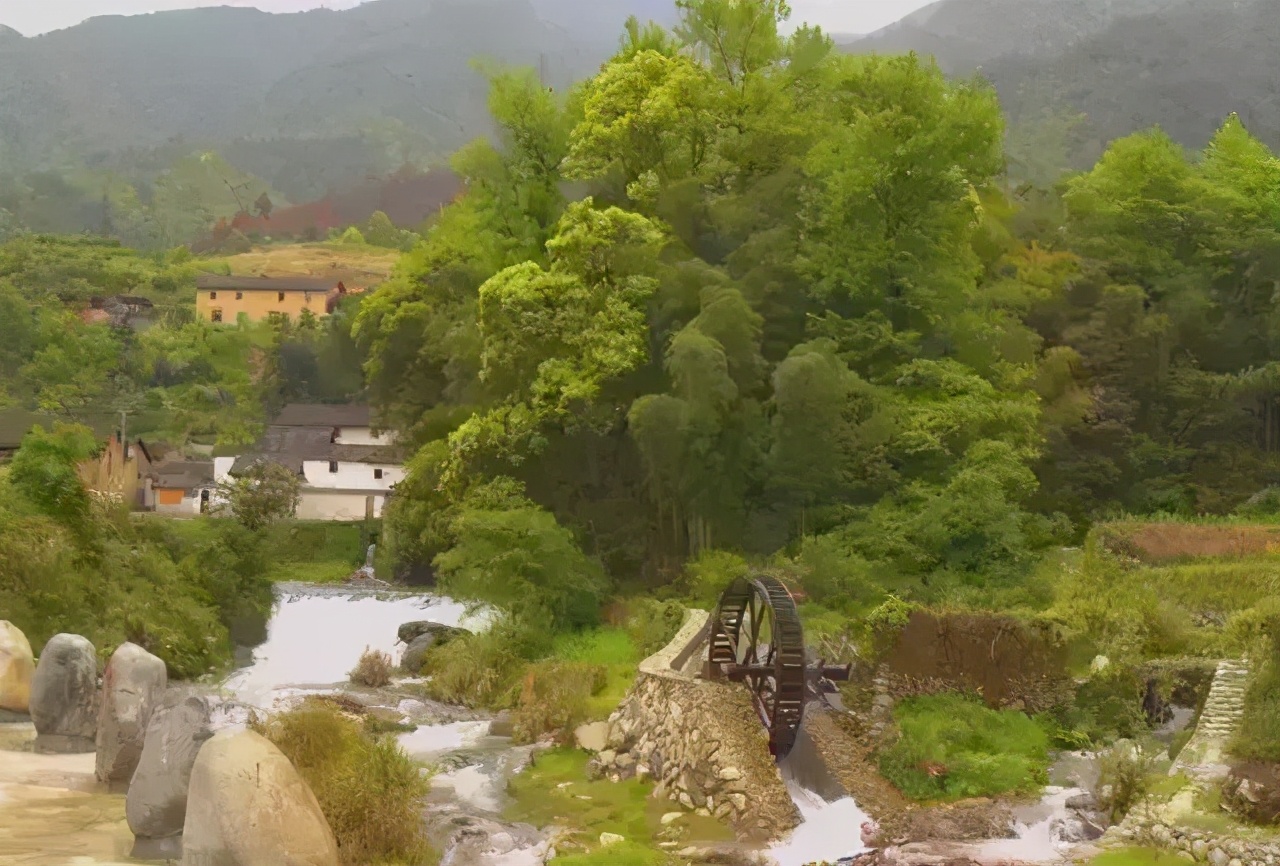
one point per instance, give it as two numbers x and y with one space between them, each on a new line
324 415
182 475
292 446
265 284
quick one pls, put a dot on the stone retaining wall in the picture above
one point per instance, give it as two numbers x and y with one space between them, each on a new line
701 741
1201 846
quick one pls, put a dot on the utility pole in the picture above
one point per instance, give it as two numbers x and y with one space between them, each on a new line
124 437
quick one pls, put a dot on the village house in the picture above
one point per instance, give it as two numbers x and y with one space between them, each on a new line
179 487
224 299
348 469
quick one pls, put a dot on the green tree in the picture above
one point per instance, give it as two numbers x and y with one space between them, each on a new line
264 493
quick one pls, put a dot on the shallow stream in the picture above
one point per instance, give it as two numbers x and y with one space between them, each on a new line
52 815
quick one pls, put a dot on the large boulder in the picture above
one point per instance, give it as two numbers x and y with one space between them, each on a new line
156 806
247 806
420 637
133 684
17 665
1252 791
64 696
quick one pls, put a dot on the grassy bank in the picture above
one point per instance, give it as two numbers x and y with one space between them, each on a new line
555 791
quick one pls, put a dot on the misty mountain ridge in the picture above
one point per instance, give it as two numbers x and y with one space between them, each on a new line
1127 65
276 88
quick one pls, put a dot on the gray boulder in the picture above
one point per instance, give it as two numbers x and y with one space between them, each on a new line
156 805
411 631
133 684
422 636
64 696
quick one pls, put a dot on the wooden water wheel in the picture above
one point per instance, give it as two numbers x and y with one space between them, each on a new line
756 639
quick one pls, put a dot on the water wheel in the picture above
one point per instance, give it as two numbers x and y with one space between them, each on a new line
756 639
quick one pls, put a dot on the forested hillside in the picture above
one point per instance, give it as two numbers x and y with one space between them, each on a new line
804 311
1074 75
124 114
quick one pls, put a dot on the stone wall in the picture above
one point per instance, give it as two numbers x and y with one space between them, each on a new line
1010 663
1201 846
700 741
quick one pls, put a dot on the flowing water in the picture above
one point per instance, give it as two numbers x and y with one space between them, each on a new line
317 634
51 814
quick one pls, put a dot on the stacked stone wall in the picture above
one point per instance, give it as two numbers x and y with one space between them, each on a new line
1199 846
700 741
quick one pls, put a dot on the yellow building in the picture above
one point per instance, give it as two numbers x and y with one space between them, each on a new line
225 299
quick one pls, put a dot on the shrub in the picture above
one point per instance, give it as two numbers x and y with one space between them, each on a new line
370 791
835 576
707 577
523 562
652 624
554 698
950 747
478 670
373 669
1258 737
1124 774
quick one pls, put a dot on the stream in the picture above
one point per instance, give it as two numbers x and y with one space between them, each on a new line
52 814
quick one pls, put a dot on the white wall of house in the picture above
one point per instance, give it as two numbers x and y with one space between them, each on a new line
363 436
351 476
222 468
337 505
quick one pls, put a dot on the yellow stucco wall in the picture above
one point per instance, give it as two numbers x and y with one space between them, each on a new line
256 304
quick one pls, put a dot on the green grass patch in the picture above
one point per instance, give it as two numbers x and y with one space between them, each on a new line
951 747
1137 857
555 791
614 650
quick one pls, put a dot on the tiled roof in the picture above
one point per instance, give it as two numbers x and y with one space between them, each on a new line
218 282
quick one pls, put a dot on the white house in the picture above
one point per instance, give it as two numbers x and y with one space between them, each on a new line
348 470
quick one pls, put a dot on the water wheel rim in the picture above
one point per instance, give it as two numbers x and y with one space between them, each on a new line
776 675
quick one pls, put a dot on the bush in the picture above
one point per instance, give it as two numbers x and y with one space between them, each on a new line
554 698
373 669
1258 737
707 577
1124 774
951 747
521 561
370 791
478 670
652 624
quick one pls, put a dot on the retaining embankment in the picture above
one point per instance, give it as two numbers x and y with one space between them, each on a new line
701 741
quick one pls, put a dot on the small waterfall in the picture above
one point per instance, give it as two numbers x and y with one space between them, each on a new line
317 634
832 822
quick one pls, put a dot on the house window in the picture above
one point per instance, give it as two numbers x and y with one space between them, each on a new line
213 296
215 315
239 296
280 296
333 467
377 474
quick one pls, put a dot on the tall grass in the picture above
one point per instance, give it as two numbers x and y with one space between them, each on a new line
370 791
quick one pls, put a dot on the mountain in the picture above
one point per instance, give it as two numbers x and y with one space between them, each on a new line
303 100
1126 65
966 34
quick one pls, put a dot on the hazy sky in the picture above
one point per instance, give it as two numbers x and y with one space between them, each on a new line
39 16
